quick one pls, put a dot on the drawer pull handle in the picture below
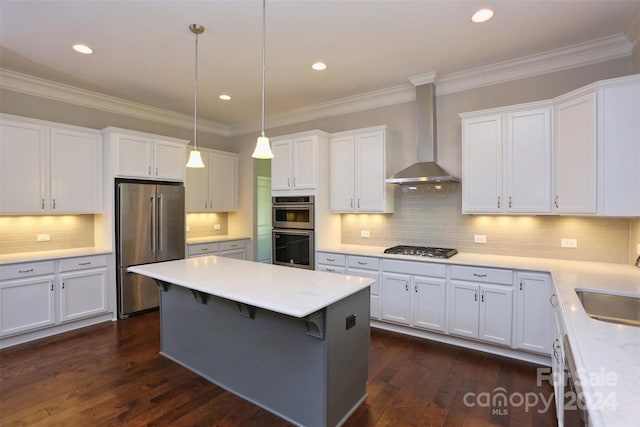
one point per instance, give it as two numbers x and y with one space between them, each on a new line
479 275
331 259
551 300
233 246
25 271
85 263
362 263
330 269
204 249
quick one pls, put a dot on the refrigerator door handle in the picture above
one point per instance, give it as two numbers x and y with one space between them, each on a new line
154 223
160 222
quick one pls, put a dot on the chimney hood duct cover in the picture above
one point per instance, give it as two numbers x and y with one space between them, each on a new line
426 170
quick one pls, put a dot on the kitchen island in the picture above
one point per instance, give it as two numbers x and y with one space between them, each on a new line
293 341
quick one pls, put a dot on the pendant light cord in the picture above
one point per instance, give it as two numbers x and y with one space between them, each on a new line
195 101
264 7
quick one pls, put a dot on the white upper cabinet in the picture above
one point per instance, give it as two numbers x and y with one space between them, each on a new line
76 171
213 188
506 160
360 161
148 156
619 147
59 168
597 149
575 155
294 167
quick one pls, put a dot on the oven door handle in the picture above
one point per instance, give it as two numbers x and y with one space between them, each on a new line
292 231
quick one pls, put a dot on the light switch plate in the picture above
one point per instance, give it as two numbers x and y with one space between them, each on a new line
43 237
364 233
568 243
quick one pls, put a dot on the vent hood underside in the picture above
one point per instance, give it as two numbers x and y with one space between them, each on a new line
421 173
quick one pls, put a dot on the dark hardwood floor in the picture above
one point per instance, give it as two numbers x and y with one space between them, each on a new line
112 375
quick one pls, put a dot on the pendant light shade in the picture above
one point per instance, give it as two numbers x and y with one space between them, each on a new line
195 159
263 148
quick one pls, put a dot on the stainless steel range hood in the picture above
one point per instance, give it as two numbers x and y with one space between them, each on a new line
426 170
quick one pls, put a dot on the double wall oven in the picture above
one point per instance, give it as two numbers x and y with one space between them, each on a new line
293 231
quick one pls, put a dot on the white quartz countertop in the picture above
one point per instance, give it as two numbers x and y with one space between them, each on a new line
51 255
607 354
214 239
291 291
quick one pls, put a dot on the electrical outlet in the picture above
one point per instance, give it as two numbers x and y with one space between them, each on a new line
216 226
364 233
638 249
187 228
568 243
43 237
480 238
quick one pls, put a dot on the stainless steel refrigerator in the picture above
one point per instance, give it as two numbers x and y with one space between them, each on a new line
150 227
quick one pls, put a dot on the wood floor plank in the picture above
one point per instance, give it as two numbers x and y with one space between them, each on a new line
112 375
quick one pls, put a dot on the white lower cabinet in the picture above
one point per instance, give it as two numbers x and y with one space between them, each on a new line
396 298
37 295
227 248
558 365
533 313
82 285
414 294
478 309
28 303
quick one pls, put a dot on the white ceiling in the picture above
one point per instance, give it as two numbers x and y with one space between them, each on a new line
144 51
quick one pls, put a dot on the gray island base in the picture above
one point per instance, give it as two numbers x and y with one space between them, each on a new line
293 341
310 370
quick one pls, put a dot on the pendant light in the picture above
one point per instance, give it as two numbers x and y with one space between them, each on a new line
195 159
263 149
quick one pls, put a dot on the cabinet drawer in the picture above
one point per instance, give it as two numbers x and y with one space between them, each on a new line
367 263
82 263
331 259
331 269
417 268
233 244
203 249
29 269
481 274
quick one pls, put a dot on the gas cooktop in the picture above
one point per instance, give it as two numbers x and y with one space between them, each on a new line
421 251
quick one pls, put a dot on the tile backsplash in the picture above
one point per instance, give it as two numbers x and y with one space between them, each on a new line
203 224
20 233
430 216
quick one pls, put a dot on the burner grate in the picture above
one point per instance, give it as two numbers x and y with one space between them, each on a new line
426 251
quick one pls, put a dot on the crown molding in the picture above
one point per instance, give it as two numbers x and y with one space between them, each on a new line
599 50
30 85
604 49
366 101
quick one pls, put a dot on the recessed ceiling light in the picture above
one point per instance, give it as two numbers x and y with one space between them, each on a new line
319 66
224 97
483 15
82 48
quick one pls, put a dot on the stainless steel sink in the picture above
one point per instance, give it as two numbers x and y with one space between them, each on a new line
621 309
